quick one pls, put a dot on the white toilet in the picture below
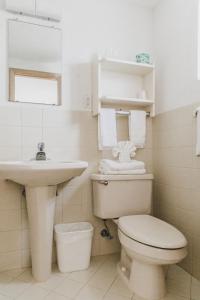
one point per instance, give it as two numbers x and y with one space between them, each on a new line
148 244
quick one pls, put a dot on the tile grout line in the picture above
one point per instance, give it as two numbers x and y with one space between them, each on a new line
90 278
109 287
67 276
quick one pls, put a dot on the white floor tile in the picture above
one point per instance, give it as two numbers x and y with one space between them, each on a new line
81 276
177 273
195 289
119 288
101 281
26 276
2 297
4 279
108 269
90 293
15 272
56 271
113 296
100 258
55 296
51 283
178 282
98 282
69 288
33 293
85 275
15 288
179 288
105 275
174 297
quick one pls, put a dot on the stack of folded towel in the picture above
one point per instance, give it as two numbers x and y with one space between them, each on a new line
115 167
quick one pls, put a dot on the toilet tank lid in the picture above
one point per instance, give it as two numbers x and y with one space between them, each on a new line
100 177
152 231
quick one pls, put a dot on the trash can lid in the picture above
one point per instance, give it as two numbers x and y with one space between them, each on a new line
73 227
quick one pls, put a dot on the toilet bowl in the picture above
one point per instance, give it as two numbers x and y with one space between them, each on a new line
148 245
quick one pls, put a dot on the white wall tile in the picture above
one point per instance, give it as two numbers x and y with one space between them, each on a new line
56 118
10 116
10 260
25 258
31 136
25 240
10 196
10 153
32 117
177 174
10 241
10 220
10 136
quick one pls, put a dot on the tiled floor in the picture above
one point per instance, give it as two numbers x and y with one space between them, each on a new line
100 281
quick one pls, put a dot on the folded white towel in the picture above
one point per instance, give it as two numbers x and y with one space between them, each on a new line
198 132
126 172
107 165
107 128
137 128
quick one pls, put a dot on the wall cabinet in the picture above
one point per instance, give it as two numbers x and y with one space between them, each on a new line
48 9
118 83
21 6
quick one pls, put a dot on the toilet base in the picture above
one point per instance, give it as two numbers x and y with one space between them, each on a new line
145 280
152 276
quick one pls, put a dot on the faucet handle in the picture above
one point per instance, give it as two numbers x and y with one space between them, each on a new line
41 147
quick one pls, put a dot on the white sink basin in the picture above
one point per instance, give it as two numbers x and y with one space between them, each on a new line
40 179
41 173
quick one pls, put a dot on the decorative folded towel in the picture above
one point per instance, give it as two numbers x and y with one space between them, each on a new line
125 150
137 128
107 165
126 172
107 128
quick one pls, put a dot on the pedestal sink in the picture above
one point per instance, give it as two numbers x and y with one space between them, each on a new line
40 179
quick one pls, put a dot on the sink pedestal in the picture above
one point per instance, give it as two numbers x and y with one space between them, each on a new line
41 208
40 179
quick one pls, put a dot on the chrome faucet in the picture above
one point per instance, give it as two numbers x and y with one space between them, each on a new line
41 155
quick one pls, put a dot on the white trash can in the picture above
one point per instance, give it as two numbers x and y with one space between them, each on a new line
73 242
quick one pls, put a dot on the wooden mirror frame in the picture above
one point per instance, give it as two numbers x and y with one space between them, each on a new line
35 74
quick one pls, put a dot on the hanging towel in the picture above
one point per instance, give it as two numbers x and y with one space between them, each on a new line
198 132
107 165
107 128
137 128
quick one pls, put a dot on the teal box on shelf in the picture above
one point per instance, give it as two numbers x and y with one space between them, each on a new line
143 58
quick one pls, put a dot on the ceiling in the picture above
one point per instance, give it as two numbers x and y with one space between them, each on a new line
149 3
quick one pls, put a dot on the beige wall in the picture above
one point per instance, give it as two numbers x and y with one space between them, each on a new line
177 178
67 135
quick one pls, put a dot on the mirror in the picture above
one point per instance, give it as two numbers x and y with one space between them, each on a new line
34 62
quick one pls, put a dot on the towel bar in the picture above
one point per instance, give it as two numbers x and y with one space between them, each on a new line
127 113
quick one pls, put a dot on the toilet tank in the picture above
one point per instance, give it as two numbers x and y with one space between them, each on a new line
115 196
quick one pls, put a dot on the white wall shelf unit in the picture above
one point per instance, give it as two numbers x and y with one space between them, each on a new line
118 83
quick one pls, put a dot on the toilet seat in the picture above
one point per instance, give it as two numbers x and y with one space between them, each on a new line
150 254
142 262
152 232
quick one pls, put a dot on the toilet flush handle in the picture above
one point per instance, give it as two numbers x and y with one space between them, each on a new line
104 182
